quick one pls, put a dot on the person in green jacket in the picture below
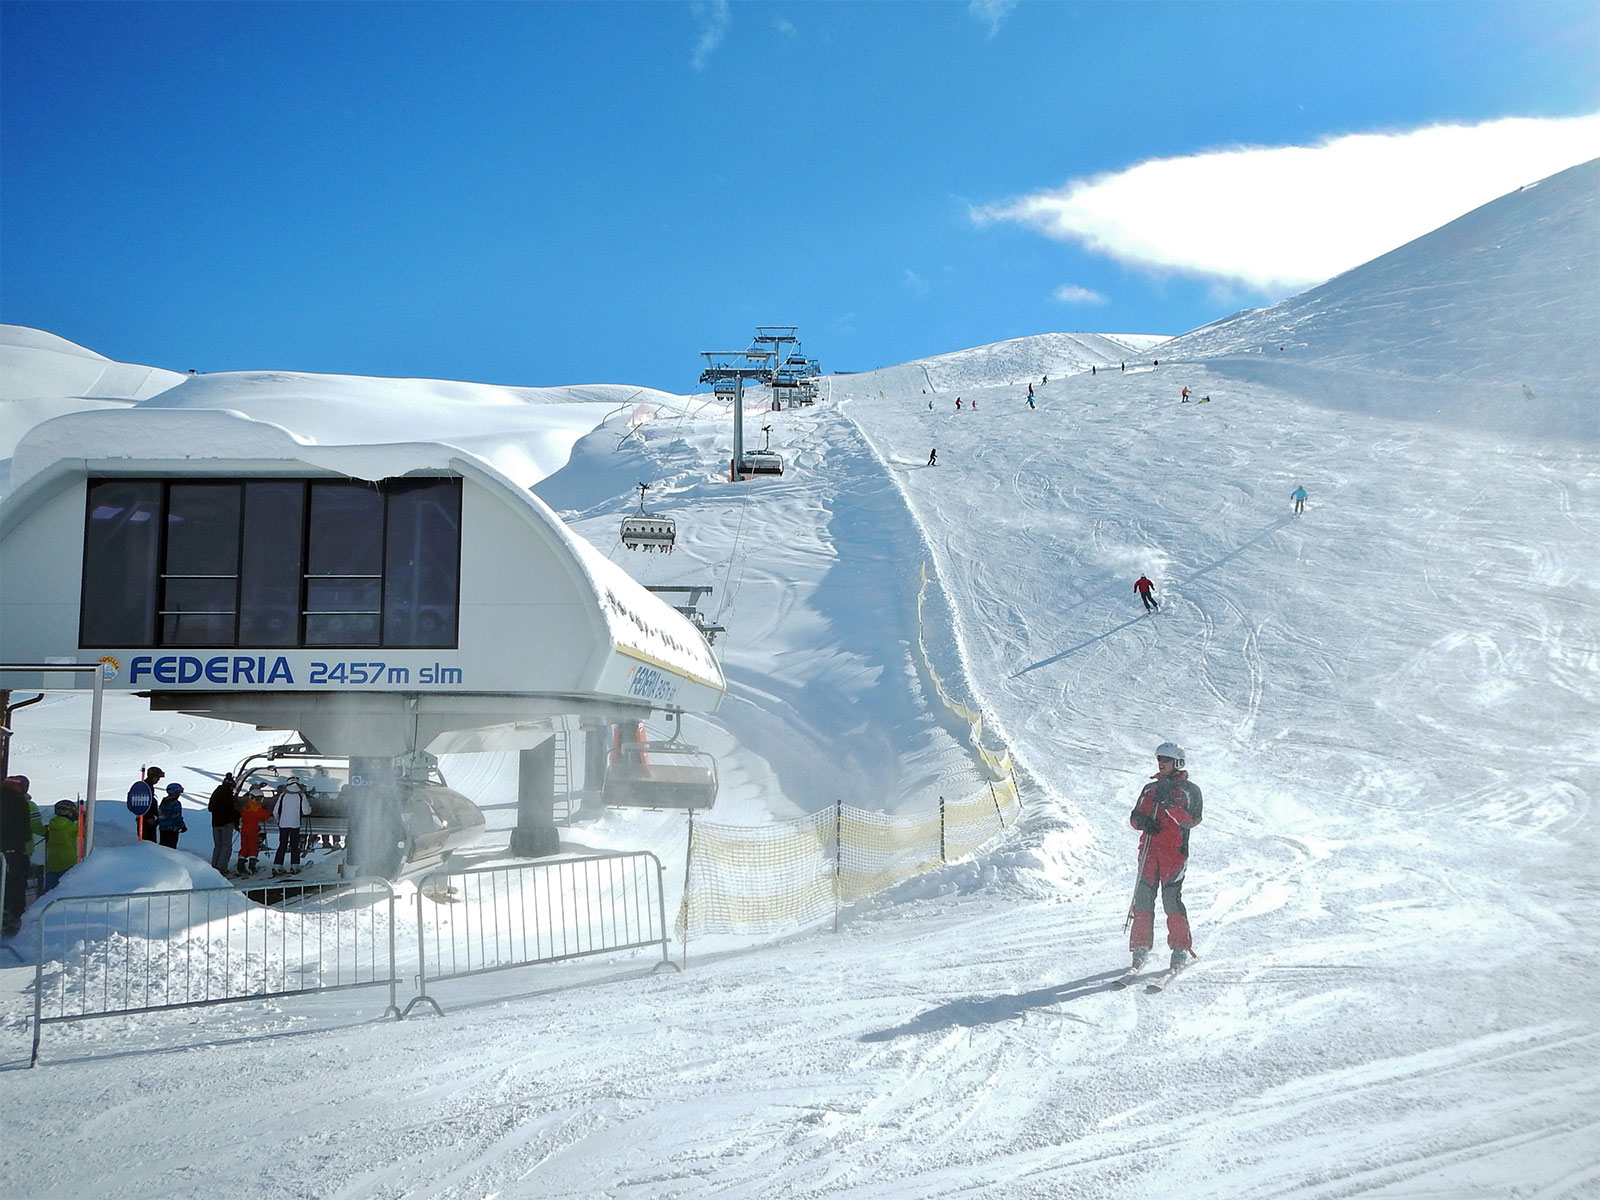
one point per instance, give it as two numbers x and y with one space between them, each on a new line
60 844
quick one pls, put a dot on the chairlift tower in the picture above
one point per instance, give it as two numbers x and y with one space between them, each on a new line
737 365
776 336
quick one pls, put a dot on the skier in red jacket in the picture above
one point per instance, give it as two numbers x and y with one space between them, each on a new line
1142 585
1168 807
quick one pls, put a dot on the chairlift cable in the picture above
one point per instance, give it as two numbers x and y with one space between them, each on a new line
728 591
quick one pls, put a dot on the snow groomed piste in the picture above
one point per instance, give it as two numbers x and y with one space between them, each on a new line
1387 701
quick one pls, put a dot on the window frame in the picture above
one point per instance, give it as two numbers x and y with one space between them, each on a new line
160 578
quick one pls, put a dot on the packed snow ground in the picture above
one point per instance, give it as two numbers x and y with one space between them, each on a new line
1389 703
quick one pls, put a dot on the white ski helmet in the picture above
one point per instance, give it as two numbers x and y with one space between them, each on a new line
1171 750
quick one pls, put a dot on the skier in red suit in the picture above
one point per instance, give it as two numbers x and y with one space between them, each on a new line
1168 807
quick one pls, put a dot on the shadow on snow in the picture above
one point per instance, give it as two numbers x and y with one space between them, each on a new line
972 1011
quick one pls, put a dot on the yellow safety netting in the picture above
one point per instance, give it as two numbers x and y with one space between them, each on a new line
998 765
765 878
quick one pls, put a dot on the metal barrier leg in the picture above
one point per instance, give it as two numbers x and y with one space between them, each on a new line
422 967
420 998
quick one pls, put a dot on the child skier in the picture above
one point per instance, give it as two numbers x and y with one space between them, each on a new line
169 820
60 844
251 815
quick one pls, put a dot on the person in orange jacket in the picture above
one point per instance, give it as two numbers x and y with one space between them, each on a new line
1167 809
251 814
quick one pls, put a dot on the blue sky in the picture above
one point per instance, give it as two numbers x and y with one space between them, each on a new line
550 193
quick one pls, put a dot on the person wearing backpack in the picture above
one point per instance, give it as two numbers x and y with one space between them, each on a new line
169 821
291 809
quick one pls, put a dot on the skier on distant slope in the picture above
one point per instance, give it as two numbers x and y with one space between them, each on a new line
1299 498
1142 585
1167 808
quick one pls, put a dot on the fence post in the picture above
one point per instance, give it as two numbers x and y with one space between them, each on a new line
996 799
661 905
422 996
394 963
38 986
942 857
688 854
838 858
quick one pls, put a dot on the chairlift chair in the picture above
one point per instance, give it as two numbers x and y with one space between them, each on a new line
650 531
765 461
658 774
401 835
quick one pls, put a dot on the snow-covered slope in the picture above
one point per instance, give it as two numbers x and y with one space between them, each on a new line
1018 361
1492 321
1389 703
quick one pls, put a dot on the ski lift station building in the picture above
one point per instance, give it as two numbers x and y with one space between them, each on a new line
380 599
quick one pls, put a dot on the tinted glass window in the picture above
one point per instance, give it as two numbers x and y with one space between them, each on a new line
203 529
346 530
344 565
267 562
422 563
270 567
121 539
198 612
201 596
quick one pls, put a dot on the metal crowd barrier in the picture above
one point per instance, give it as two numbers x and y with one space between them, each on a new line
495 918
150 951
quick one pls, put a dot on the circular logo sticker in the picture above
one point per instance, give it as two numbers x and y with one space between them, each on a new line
109 667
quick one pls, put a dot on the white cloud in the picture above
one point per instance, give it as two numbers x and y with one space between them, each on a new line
786 27
1071 293
914 283
1285 217
713 17
990 13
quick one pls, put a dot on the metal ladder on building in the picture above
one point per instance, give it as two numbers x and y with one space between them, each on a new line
562 808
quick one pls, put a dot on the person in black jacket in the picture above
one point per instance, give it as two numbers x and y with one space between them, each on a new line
224 809
19 825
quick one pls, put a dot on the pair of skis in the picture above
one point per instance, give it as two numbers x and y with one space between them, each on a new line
1159 984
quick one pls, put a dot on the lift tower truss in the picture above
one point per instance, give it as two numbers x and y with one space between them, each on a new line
738 365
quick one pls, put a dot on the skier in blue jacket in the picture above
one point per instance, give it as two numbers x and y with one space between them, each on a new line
169 819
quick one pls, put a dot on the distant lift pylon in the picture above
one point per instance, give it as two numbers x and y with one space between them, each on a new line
650 531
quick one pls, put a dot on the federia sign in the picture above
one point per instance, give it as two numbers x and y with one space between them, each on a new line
222 668
269 670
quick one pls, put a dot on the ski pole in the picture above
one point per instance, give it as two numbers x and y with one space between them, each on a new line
1144 851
